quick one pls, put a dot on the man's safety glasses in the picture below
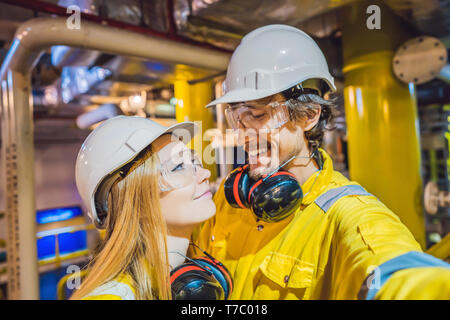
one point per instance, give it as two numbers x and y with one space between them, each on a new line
257 115
179 171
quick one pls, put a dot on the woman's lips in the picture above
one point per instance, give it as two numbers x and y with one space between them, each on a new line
206 194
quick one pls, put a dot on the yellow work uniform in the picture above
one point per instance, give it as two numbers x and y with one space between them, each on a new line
324 250
118 289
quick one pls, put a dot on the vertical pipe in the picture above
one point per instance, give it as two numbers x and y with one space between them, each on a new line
17 157
381 116
220 125
191 102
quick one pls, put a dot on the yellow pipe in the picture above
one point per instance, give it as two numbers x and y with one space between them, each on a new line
191 102
62 283
381 116
441 249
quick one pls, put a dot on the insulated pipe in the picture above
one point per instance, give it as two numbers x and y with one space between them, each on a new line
381 116
37 34
87 119
53 9
191 102
17 120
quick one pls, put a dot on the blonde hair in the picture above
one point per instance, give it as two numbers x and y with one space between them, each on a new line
135 238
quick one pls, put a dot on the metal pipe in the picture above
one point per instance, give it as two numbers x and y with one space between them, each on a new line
17 120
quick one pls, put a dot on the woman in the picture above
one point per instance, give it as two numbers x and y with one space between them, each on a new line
148 191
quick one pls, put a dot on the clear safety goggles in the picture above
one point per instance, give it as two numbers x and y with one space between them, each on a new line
257 115
180 171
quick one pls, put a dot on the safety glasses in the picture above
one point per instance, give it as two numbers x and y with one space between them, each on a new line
257 115
180 171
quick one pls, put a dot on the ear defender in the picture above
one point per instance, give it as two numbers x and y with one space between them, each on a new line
271 198
237 186
203 278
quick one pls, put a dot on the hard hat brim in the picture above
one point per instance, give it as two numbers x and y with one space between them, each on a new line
187 125
242 95
191 127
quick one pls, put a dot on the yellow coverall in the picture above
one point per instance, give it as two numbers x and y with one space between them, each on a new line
322 254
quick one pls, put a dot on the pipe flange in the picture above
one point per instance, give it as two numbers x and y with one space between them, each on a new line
431 198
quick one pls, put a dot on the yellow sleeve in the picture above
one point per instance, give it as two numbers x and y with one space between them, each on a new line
431 283
369 237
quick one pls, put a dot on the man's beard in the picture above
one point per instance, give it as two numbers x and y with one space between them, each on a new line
265 155
268 163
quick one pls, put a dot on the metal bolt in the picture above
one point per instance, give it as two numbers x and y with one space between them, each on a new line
286 279
260 227
212 238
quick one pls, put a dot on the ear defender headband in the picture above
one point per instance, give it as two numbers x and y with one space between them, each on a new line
271 198
203 278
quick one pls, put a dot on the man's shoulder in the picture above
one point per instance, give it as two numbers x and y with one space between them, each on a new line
355 194
359 206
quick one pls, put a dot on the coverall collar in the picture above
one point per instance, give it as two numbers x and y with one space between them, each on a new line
318 182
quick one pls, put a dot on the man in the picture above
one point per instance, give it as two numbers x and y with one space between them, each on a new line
338 241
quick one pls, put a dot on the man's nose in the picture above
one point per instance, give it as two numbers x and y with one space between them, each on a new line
247 136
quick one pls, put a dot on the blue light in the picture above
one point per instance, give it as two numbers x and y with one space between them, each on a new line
59 214
46 247
411 88
76 80
70 242
9 56
156 66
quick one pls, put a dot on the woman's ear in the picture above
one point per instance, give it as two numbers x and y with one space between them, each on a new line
309 123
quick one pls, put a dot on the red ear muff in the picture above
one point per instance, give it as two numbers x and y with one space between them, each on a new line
195 281
236 187
271 198
176 273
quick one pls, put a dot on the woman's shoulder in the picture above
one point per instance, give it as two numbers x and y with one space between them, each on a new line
118 289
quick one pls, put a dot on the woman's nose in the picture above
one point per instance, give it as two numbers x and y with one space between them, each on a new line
202 174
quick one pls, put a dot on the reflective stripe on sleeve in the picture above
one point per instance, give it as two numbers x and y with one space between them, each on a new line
383 272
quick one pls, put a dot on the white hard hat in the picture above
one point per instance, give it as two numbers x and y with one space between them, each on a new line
108 148
272 59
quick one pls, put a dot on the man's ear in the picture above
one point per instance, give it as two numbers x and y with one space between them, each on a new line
309 123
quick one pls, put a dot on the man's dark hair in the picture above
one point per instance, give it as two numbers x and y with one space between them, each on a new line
302 103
